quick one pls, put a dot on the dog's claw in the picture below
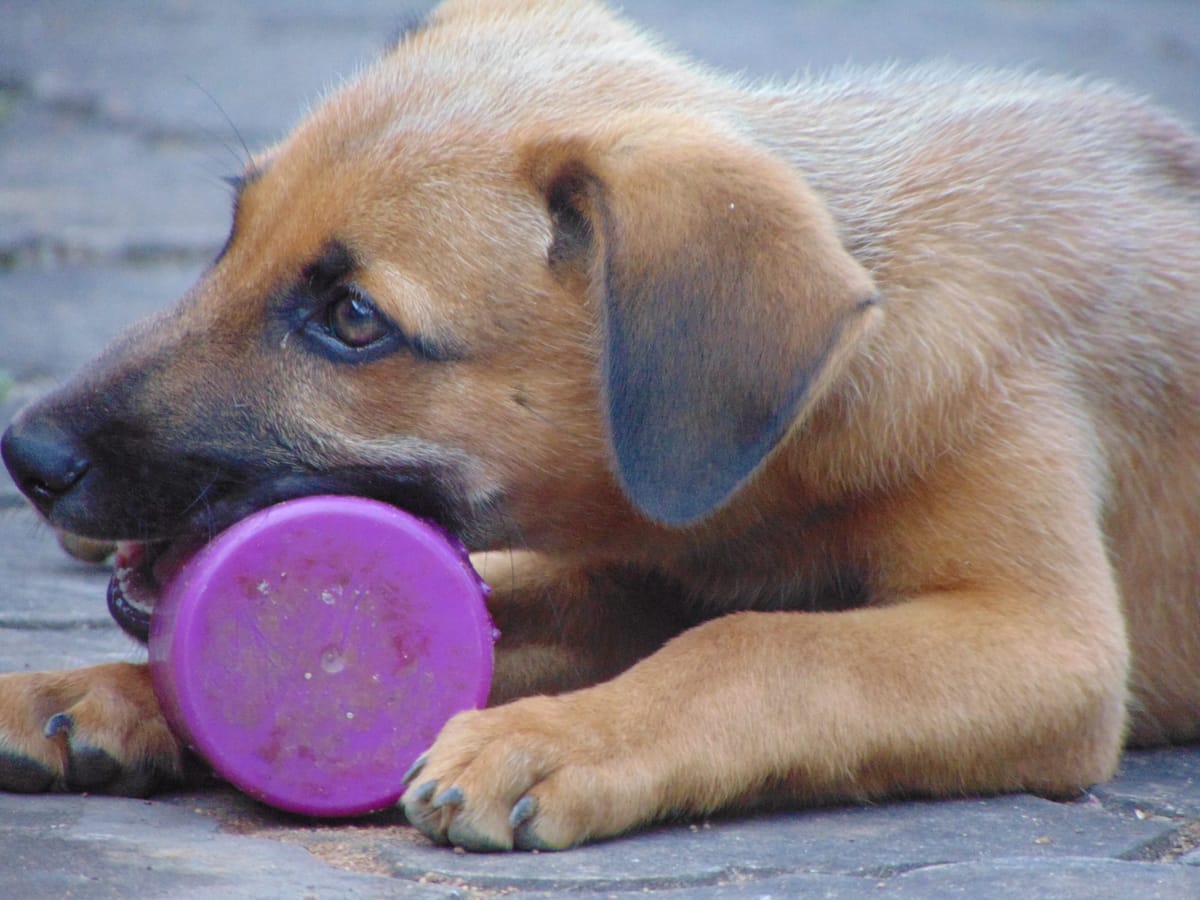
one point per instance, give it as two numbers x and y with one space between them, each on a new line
421 815
63 723
450 797
415 769
525 809
525 833
425 792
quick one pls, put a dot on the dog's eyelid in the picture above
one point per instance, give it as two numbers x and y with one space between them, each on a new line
342 290
332 267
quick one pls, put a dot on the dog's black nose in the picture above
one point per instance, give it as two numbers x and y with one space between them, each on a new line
43 460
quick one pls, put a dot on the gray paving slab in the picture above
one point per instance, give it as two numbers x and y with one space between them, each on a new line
101 847
121 64
56 207
70 312
843 852
52 608
43 587
1165 782
1030 879
1149 46
869 842
57 317
1033 879
39 649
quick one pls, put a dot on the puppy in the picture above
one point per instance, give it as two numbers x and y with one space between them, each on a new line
844 439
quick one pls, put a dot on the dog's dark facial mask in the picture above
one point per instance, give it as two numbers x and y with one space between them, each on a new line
183 425
179 430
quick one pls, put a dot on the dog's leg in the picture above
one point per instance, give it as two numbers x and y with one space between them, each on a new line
562 628
915 699
97 729
994 660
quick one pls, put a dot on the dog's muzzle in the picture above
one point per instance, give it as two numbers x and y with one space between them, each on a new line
47 466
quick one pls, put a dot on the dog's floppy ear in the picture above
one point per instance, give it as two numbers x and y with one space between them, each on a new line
729 303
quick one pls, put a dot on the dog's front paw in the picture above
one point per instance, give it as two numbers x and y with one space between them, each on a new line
545 773
98 729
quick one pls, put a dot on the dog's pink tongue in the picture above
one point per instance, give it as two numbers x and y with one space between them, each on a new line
312 651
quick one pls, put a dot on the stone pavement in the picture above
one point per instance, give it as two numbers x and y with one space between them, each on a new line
112 144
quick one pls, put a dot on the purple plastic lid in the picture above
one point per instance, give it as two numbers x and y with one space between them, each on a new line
313 650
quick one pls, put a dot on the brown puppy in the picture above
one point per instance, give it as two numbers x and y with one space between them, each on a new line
849 433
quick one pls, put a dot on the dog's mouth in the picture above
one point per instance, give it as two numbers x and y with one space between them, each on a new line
142 568
140 572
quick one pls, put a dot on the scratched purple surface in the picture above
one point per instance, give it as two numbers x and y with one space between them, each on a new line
312 651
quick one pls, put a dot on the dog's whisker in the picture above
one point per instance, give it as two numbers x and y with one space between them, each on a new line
246 160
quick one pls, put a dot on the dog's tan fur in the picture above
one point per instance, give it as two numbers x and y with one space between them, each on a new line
968 304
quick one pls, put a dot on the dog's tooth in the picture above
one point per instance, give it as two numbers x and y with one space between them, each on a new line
133 588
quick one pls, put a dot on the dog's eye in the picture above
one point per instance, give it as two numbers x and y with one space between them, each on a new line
343 324
355 321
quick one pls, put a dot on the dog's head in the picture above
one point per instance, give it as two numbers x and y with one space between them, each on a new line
526 276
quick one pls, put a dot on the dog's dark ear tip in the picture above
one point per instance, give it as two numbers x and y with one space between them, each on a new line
682 488
567 202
